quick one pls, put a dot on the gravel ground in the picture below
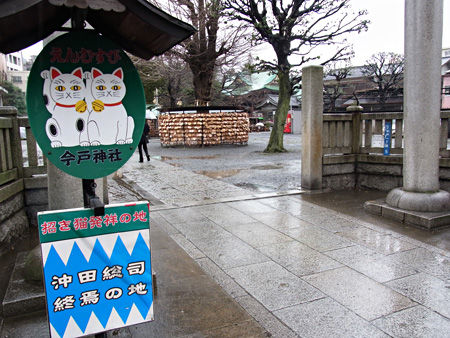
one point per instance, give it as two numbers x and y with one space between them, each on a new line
243 166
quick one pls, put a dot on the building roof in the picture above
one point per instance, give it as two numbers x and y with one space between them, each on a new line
273 101
354 72
136 25
245 83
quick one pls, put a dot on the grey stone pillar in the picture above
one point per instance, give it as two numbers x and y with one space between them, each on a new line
64 191
312 125
422 86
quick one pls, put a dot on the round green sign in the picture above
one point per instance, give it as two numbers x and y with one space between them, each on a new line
86 104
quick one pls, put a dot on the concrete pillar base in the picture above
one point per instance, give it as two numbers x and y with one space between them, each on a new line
419 201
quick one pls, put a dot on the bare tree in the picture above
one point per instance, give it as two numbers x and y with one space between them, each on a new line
296 28
169 75
385 70
216 42
332 88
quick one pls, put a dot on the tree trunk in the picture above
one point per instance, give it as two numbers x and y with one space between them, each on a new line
203 78
284 99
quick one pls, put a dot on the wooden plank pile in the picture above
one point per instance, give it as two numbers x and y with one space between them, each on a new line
153 128
212 132
203 129
171 129
193 126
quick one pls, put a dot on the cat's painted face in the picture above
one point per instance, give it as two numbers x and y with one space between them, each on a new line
67 89
108 88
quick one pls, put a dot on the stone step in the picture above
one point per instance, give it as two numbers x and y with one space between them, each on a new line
427 220
21 296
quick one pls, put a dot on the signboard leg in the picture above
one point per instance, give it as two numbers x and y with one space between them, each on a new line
90 199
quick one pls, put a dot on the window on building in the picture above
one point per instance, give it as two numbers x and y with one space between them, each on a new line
16 79
446 90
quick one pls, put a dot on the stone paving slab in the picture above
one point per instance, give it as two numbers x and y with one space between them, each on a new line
266 318
426 261
318 239
417 322
385 244
427 290
326 318
251 207
257 234
298 258
359 293
224 280
302 269
280 221
372 264
229 252
273 286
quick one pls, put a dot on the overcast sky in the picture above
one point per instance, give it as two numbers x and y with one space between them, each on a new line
385 33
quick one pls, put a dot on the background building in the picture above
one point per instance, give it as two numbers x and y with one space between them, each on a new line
257 93
15 71
18 78
3 68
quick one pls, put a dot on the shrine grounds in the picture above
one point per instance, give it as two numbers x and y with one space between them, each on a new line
300 264
243 166
239 250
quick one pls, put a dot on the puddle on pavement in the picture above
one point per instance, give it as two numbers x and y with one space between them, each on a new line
219 173
206 157
164 158
169 158
267 167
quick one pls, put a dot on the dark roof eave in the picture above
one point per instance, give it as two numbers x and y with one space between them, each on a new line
29 24
151 33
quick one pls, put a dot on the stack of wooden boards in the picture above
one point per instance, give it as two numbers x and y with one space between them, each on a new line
197 129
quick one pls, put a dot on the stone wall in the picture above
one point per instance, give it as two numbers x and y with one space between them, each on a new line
36 197
19 211
346 172
13 220
338 172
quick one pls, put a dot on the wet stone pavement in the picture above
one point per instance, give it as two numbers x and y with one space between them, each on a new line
244 261
304 264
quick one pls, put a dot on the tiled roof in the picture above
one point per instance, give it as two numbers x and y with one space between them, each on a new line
141 29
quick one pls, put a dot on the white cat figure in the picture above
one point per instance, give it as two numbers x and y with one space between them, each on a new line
64 98
108 120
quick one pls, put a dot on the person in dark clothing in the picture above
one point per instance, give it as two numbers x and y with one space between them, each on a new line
143 143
